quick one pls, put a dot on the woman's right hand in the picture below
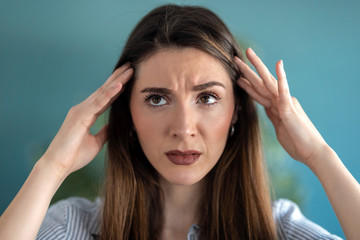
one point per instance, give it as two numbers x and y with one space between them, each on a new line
74 146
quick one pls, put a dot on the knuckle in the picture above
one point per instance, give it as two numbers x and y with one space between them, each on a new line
296 104
295 101
73 110
101 90
108 94
76 111
86 122
98 102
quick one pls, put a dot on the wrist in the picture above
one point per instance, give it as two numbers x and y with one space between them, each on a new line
23 217
53 173
325 156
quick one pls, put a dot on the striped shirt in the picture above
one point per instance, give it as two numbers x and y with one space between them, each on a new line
78 218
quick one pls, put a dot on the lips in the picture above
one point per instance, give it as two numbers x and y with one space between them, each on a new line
178 157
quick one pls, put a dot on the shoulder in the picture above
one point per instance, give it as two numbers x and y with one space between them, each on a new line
72 218
292 224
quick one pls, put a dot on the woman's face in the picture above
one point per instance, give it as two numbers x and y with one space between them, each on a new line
182 105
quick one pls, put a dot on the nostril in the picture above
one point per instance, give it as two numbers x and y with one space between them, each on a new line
182 133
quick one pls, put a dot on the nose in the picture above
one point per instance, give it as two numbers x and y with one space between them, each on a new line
184 122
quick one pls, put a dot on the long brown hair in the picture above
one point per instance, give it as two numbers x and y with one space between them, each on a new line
236 202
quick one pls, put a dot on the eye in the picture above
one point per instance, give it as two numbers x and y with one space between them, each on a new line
208 98
155 100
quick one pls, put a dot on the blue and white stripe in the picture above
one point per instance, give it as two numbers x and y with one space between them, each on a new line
78 218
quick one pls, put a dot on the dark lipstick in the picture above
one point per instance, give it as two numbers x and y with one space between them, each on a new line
183 157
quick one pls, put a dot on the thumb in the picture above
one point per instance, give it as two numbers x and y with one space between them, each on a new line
273 118
101 136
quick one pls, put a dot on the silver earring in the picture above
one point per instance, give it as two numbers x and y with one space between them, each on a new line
232 130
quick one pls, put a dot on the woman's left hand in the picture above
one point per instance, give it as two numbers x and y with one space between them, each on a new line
302 141
294 130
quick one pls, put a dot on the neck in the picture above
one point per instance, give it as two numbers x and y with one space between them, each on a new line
180 207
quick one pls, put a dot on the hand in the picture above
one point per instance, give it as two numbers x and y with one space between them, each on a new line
74 146
294 130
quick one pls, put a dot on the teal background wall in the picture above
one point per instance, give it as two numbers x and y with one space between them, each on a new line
53 54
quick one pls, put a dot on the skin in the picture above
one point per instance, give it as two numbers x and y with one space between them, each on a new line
74 147
183 119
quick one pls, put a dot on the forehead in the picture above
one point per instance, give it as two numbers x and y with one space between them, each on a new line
183 65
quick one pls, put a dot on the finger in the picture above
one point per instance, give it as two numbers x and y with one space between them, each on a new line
255 80
112 80
122 86
101 99
269 81
118 72
246 85
284 93
115 90
116 76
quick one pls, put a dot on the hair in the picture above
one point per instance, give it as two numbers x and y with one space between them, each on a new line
236 202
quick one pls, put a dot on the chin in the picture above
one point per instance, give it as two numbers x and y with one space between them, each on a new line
183 179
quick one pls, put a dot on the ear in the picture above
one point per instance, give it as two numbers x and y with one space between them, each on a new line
235 114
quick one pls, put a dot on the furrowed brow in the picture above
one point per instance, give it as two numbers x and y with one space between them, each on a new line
167 91
164 91
204 86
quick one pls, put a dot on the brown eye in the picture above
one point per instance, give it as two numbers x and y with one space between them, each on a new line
204 99
208 99
156 100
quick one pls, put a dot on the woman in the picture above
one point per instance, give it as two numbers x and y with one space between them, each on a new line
184 151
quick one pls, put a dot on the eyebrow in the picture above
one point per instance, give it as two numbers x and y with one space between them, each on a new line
196 88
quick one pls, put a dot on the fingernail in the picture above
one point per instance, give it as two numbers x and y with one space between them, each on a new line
238 59
282 64
128 70
252 51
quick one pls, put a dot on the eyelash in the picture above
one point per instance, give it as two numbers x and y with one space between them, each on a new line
212 94
149 96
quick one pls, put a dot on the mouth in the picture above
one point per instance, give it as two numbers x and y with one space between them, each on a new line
178 157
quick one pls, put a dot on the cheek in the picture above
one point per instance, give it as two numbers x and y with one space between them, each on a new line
214 132
216 124
149 128
217 134
220 129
